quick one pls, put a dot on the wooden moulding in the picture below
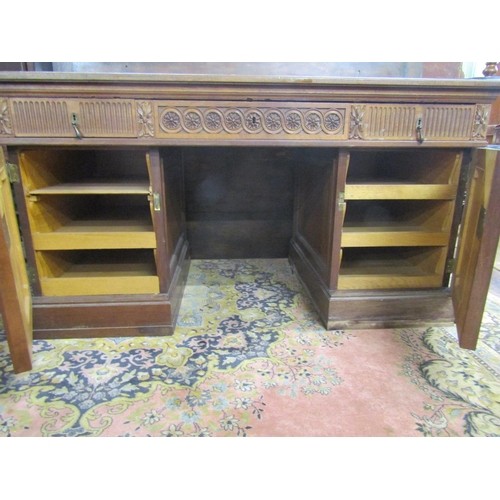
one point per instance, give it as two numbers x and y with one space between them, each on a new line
389 309
105 316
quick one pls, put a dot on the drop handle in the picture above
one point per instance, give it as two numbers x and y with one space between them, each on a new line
420 131
74 123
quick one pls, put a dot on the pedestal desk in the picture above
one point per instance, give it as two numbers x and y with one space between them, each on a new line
380 192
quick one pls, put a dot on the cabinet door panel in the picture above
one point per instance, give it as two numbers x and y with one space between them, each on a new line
477 246
15 296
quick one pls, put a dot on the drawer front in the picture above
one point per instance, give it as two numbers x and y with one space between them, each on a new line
229 120
394 122
92 118
214 120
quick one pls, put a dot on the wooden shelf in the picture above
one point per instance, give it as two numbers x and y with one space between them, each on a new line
387 269
98 273
386 191
90 188
97 234
393 236
379 275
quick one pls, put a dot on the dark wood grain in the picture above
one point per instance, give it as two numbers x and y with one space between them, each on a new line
239 202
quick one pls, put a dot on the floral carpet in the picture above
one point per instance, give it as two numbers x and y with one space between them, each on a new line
249 357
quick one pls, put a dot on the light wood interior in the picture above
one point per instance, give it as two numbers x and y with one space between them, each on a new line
396 223
78 222
404 167
90 200
398 217
387 268
97 272
84 169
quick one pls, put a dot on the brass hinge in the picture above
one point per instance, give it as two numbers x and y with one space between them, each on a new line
450 265
155 198
12 172
341 200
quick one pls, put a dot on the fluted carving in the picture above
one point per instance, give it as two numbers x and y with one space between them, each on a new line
107 118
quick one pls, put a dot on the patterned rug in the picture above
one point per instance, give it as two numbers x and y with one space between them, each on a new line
250 358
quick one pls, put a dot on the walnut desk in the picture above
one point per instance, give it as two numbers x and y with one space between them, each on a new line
378 191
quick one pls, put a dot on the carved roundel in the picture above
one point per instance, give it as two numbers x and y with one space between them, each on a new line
170 120
253 121
312 122
233 121
293 121
273 122
213 120
332 121
193 120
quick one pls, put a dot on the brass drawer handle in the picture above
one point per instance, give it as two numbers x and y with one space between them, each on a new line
74 123
420 130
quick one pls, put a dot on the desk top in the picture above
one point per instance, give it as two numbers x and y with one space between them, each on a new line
161 85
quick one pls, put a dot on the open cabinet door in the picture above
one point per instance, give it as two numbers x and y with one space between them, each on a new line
15 295
477 245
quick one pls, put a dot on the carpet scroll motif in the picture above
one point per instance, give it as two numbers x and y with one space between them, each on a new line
250 358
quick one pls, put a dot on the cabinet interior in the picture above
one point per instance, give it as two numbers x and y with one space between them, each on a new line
398 218
92 227
90 220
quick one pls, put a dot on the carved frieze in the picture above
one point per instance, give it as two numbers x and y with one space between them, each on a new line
262 120
5 126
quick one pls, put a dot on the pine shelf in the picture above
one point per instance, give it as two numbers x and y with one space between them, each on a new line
89 188
97 234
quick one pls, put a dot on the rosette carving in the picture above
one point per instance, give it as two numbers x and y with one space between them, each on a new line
272 122
253 121
262 120
213 120
333 121
233 121
170 120
193 120
312 122
293 121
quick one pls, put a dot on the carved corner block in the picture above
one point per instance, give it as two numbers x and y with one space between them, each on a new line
5 122
145 119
